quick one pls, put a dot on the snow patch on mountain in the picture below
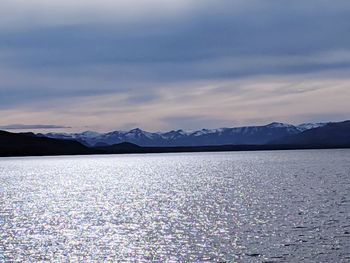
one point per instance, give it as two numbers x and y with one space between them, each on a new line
308 126
279 125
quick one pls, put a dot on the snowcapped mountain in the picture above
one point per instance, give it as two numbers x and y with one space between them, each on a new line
222 136
308 126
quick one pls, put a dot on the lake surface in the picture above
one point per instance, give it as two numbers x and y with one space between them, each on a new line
278 206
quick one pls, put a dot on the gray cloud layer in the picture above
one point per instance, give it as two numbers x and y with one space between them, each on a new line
56 51
31 127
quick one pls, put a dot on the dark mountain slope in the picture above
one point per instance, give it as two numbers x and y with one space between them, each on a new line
25 144
332 134
124 147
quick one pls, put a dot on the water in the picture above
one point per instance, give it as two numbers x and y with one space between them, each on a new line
282 206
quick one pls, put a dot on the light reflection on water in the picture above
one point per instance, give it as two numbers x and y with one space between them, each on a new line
289 206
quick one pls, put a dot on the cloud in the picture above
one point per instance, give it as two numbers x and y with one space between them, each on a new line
192 105
31 127
18 14
193 122
168 58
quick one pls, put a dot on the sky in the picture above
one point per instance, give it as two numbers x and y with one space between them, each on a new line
172 64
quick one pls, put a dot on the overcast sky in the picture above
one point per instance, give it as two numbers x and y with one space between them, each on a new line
170 64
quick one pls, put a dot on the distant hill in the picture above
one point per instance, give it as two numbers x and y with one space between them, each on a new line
25 144
332 134
238 135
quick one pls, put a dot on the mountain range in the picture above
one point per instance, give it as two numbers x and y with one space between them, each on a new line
274 136
249 135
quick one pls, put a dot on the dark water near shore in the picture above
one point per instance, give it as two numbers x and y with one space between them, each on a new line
282 206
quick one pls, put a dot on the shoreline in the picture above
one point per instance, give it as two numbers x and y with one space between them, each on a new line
135 149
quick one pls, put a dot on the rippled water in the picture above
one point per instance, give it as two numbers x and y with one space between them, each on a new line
288 206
